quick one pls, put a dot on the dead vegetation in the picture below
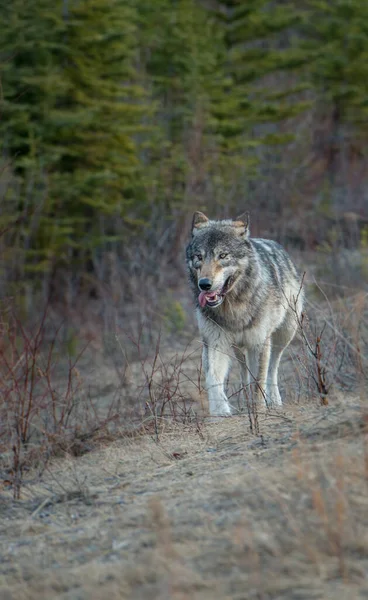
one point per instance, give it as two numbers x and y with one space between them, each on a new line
215 514
124 489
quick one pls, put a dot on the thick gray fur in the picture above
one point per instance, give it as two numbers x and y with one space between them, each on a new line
259 298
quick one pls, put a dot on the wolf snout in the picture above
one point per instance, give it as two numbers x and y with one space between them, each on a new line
205 284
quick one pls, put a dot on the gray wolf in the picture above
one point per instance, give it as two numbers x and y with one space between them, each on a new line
249 298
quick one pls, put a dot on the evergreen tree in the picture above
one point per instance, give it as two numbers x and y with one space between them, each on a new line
73 114
331 43
180 51
258 39
201 112
112 112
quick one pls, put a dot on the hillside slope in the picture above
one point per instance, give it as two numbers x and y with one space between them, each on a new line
208 511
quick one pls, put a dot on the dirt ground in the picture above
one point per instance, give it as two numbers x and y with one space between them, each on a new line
208 510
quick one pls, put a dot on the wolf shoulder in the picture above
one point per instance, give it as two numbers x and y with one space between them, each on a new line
271 251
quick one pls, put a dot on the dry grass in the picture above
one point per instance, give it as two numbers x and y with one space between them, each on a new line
171 506
215 514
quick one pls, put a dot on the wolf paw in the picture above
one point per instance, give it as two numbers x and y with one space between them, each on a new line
220 410
273 399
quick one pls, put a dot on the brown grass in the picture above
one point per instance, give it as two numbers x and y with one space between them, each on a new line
223 514
171 506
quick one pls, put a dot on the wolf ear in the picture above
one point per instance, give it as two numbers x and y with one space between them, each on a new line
199 220
241 224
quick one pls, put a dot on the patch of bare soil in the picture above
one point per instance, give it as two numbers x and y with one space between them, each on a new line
201 512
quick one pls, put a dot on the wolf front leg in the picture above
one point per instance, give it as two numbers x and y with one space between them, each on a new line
216 363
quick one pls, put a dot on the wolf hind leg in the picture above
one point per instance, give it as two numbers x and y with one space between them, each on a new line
254 368
280 341
247 378
264 362
272 388
217 362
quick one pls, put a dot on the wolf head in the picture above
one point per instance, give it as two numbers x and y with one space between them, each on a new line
216 256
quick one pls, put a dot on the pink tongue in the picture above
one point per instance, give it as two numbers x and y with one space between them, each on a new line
202 299
205 296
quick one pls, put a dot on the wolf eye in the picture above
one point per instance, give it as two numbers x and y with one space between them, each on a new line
223 255
198 257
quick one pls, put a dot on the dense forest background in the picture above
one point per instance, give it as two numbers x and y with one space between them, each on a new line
118 119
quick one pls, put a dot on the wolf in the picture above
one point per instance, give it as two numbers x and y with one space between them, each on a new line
249 300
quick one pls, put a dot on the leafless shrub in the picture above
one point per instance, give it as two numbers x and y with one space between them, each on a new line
335 343
165 387
42 413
